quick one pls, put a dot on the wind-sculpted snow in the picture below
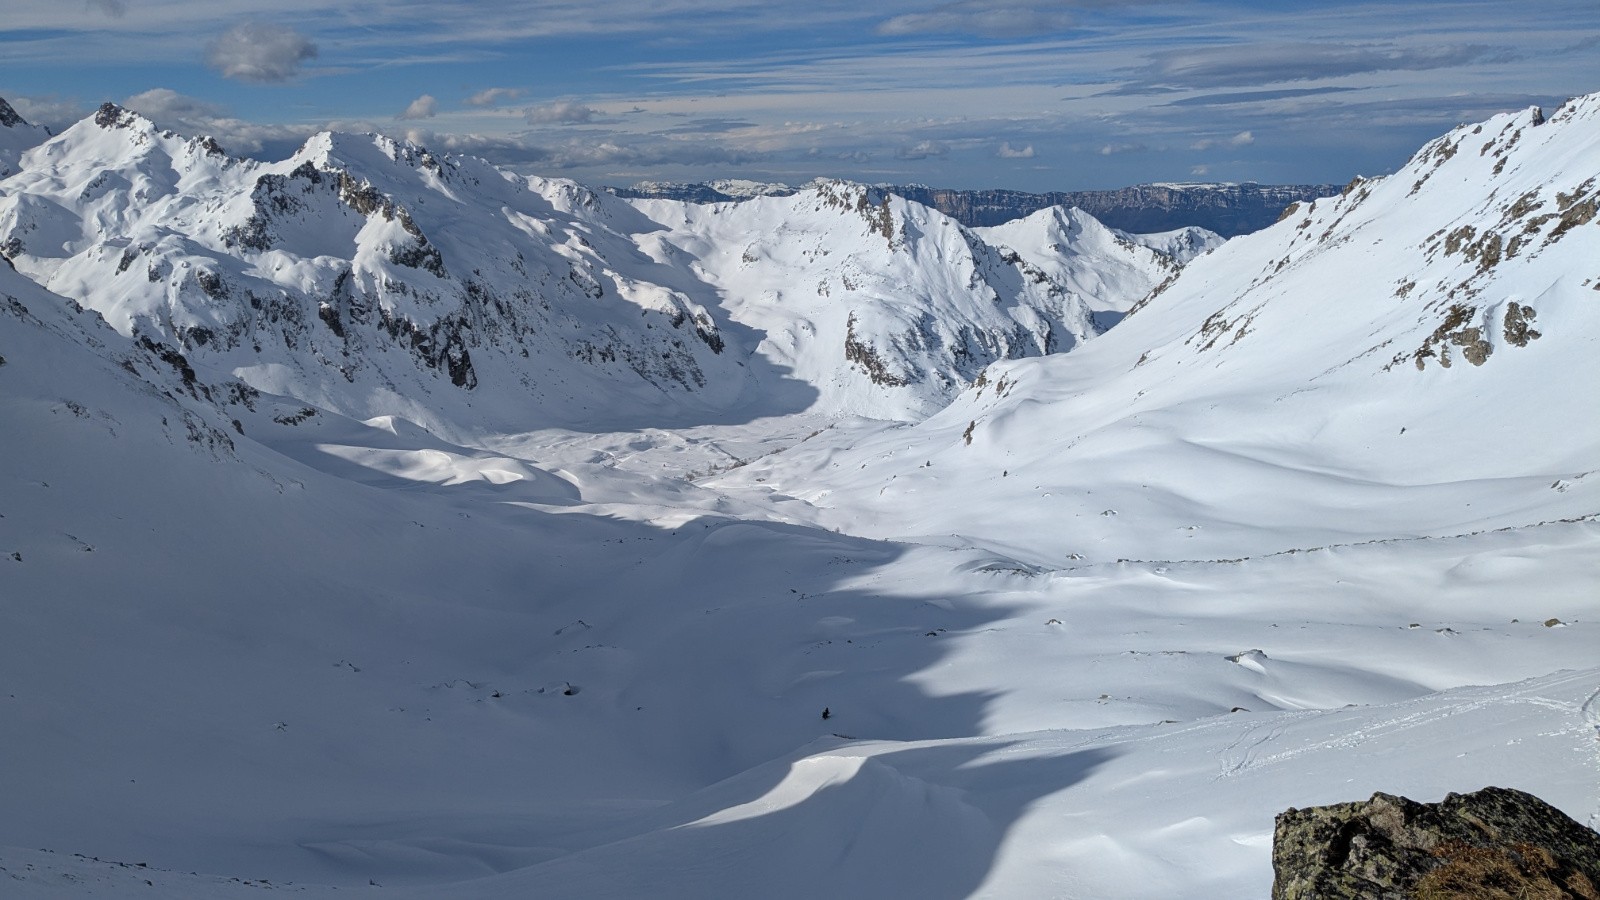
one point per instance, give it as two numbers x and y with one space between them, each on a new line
372 277
1083 633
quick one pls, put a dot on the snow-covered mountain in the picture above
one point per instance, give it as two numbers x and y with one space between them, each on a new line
918 303
369 276
1257 546
1043 240
1411 358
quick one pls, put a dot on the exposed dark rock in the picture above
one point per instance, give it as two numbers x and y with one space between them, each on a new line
330 318
110 115
171 357
1518 329
9 117
1494 843
865 356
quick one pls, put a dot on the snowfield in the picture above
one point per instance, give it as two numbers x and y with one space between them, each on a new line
795 558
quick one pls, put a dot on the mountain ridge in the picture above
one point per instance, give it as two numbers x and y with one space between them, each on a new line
359 253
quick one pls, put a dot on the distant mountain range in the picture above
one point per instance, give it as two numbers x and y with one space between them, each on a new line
1228 209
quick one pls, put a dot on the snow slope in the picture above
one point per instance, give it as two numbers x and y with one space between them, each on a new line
1410 359
254 642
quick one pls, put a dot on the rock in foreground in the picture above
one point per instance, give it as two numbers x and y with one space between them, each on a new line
1494 843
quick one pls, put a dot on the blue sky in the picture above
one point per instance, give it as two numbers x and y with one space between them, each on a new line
1026 94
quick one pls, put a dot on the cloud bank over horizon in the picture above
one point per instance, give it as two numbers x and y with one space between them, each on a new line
1028 94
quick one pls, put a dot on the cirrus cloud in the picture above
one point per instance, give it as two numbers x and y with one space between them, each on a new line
996 18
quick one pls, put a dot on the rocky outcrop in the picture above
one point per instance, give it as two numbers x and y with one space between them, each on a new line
1494 843
8 116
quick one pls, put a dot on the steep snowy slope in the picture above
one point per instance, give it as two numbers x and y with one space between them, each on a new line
371 278
16 136
1413 358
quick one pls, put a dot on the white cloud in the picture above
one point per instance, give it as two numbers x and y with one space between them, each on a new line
922 150
1114 149
1200 170
424 107
259 52
1007 151
494 95
165 104
53 112
564 112
1242 139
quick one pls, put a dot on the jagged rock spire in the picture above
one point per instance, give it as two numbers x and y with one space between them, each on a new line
9 118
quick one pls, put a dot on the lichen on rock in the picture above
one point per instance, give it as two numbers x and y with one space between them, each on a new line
1493 843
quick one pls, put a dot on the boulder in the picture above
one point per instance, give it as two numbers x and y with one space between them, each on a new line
1494 843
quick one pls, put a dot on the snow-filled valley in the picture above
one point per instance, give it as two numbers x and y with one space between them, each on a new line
379 521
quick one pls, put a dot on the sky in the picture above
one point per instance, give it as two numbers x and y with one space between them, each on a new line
1029 95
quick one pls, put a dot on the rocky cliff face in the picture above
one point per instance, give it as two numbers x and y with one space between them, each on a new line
1493 843
1227 209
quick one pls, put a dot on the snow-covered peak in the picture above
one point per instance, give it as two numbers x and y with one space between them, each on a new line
334 150
1181 245
914 303
1059 224
1093 262
115 139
